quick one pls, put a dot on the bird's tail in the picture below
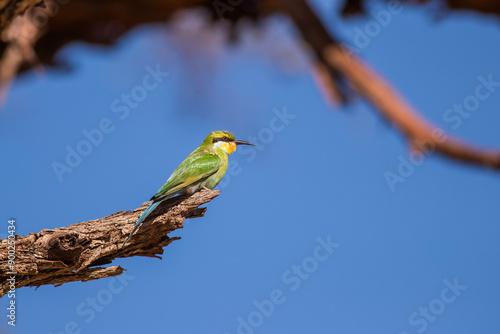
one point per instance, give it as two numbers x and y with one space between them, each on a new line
144 215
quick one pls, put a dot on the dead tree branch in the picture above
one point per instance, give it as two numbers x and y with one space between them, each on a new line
422 135
77 252
10 9
20 38
335 69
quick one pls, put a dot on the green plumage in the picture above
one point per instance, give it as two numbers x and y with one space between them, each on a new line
198 170
203 168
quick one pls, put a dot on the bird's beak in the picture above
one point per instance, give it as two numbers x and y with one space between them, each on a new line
241 142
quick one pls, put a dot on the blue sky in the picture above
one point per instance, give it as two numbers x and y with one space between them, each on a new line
306 235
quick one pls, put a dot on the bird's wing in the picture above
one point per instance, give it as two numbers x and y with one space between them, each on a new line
197 167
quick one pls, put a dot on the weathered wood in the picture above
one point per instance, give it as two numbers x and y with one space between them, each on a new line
71 253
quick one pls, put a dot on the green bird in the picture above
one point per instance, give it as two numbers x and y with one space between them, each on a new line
204 168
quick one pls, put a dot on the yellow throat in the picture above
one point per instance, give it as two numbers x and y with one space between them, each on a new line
228 147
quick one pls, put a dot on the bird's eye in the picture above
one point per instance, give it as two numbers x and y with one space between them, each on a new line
224 138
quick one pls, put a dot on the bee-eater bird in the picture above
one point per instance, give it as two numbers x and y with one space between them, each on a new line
204 168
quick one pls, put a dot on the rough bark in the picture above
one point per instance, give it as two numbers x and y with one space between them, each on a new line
77 252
